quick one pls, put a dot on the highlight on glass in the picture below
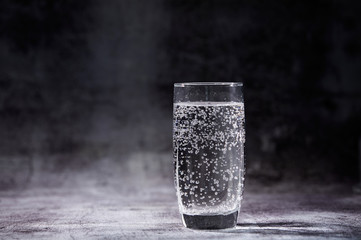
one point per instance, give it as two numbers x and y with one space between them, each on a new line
208 144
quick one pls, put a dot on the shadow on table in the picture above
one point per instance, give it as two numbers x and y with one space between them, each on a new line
283 228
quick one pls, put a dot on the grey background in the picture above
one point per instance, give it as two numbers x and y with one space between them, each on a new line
86 87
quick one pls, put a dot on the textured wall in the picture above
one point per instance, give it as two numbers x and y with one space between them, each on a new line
86 86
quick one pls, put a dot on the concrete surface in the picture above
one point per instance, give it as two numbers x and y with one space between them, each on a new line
107 213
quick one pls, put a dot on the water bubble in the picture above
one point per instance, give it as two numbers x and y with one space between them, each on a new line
208 142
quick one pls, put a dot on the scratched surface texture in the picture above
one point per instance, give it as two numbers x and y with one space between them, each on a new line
106 212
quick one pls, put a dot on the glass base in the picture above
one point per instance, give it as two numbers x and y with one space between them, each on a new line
210 221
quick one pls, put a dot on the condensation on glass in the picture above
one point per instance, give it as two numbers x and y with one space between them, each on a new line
208 143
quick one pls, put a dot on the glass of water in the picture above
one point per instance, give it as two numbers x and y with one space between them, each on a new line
208 143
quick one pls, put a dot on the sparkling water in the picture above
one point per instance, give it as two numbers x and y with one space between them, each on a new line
208 140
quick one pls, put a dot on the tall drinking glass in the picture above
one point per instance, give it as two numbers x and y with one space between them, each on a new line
208 143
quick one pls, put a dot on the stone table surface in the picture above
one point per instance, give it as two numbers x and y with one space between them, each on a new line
106 213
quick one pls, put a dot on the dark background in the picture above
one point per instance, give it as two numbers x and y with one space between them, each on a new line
86 87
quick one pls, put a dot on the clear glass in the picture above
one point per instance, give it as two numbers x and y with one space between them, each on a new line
208 144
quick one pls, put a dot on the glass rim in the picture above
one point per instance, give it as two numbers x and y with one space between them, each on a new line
228 84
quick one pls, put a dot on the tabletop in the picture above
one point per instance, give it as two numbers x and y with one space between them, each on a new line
104 212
